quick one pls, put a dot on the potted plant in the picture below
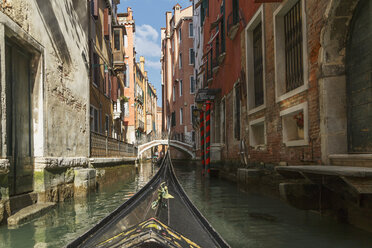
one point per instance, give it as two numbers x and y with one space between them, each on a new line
124 98
299 118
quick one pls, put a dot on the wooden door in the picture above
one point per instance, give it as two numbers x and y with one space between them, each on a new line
19 119
359 80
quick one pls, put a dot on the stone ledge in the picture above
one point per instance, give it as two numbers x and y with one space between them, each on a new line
4 166
29 213
60 162
361 160
330 170
110 161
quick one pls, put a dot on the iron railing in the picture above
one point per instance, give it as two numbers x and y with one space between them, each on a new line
104 146
293 47
258 66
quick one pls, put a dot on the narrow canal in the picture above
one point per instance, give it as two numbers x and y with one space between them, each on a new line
243 219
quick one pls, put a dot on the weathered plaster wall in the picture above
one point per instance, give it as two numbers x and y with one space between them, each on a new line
63 70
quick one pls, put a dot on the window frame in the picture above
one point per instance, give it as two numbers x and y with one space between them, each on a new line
191 56
279 50
252 124
181 116
191 30
174 93
180 61
302 107
257 19
180 88
192 83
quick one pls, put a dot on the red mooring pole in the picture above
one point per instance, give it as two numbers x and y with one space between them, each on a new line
208 136
202 139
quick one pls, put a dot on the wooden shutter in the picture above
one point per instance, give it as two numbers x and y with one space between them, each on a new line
106 22
95 8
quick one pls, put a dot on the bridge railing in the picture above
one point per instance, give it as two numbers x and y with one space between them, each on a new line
187 138
151 137
104 146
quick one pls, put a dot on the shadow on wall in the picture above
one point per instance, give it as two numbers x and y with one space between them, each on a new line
54 30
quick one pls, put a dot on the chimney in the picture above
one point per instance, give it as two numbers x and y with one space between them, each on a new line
142 63
130 13
177 13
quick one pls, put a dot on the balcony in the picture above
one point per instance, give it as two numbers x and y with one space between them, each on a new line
140 99
117 110
233 24
141 125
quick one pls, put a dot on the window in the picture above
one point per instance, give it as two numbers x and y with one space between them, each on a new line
181 116
191 56
173 119
192 107
107 123
191 30
291 74
126 109
117 39
192 85
181 87
94 123
257 65
295 125
293 47
254 61
174 93
95 68
223 107
179 35
204 9
126 82
257 136
235 11
125 41
180 61
237 112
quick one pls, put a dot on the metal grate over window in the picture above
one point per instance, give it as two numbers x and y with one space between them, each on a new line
258 66
293 47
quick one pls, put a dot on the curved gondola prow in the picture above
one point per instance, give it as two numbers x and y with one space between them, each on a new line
221 242
201 231
125 207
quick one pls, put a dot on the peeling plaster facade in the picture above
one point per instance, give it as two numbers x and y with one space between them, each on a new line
54 36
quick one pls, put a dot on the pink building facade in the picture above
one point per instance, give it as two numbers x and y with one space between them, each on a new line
178 73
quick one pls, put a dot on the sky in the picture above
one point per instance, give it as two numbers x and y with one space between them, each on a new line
149 16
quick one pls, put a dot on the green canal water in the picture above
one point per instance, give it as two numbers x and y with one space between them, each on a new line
243 219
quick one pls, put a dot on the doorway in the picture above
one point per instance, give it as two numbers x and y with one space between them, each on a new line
359 80
19 118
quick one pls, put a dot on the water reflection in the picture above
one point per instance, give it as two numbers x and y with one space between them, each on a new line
74 217
243 219
253 220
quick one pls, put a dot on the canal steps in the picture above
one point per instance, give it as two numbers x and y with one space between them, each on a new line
29 213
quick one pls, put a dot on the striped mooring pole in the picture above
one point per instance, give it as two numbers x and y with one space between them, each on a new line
202 139
208 136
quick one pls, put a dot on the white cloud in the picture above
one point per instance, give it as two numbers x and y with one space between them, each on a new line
153 64
146 41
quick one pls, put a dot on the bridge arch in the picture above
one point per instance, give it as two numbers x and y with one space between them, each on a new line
176 144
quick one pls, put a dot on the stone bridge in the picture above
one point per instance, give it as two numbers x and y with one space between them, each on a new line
185 147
